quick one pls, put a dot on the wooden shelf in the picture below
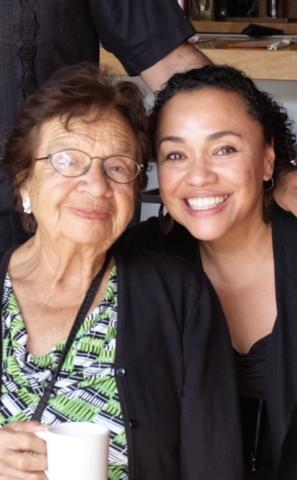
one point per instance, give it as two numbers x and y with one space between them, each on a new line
212 26
257 63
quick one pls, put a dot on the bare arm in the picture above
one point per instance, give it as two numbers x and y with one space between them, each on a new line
182 58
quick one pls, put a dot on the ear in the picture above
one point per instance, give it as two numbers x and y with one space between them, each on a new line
269 159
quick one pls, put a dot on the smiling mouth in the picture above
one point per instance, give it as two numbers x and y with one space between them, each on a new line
90 213
206 203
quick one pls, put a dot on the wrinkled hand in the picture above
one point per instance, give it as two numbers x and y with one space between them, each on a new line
22 454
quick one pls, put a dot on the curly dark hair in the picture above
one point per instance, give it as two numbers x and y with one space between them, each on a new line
76 91
277 127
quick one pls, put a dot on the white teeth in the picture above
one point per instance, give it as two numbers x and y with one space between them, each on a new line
206 203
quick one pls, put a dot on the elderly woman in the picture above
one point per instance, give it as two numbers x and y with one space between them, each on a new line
88 333
221 145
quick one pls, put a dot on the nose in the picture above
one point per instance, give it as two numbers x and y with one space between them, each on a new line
94 181
201 172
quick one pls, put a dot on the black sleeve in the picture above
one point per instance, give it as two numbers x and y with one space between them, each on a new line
140 32
210 426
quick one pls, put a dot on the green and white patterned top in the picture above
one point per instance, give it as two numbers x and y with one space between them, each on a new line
86 387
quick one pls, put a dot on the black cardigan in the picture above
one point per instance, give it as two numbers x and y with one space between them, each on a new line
174 373
281 372
281 366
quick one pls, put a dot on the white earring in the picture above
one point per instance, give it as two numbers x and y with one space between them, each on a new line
27 205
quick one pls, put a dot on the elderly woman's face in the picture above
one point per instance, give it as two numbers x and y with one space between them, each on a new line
87 209
212 161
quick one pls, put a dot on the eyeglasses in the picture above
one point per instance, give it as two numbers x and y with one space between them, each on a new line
74 163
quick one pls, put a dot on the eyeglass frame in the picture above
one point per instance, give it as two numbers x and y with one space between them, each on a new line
49 156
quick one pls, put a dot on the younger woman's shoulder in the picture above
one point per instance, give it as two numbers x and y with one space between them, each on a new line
148 235
284 222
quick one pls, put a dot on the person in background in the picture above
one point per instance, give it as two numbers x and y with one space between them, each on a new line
221 145
137 341
37 37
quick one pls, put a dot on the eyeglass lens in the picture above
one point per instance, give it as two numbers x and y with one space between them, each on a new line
73 163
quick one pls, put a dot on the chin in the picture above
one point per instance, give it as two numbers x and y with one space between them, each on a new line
86 236
205 236
86 241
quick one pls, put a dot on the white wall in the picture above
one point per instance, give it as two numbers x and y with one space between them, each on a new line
284 92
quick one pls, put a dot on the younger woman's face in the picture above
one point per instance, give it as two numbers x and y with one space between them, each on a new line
212 161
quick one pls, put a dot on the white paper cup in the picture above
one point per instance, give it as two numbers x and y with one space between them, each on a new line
76 451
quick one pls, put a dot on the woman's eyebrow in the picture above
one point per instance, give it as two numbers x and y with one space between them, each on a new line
171 138
223 133
212 136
